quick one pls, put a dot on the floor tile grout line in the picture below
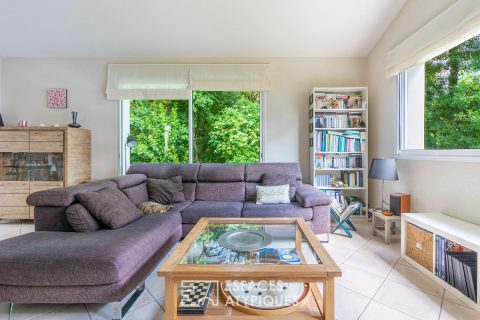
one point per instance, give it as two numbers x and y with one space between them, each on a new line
88 312
402 312
381 285
441 304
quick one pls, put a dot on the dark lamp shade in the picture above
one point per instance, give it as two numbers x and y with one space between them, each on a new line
383 169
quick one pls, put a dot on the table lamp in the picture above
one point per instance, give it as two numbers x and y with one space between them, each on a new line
383 169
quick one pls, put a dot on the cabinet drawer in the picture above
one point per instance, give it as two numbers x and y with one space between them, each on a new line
54 147
14 187
14 213
10 136
46 136
13 200
44 185
10 146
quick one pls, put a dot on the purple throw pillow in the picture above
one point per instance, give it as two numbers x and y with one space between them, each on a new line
278 179
111 206
81 220
166 191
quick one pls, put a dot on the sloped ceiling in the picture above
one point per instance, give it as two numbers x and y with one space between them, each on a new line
193 28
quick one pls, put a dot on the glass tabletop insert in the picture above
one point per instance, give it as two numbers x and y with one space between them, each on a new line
220 243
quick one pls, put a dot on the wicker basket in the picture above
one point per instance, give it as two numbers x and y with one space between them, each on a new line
420 246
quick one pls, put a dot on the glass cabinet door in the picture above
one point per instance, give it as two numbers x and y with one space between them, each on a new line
24 166
45 166
14 166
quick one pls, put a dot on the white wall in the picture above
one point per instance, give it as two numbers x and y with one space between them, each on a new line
436 186
25 80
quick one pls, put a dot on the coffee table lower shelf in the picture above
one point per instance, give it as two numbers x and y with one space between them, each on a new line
308 311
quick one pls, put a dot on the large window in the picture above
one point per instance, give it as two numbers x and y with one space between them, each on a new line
439 104
215 126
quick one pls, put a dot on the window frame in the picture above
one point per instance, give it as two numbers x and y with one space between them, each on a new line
460 155
123 125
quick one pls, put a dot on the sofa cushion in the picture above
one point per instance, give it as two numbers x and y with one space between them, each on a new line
287 210
80 219
110 206
254 172
200 209
221 172
309 196
189 172
129 180
78 258
220 191
166 191
137 194
63 197
270 179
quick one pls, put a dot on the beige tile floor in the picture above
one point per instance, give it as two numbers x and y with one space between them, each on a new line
376 284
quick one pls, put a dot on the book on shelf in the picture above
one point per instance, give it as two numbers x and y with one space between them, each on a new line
325 120
337 101
338 161
457 266
334 141
349 179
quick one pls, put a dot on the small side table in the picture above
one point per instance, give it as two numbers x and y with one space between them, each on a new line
388 229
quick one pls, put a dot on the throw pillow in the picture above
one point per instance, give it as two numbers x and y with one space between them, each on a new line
269 179
150 207
110 206
272 194
166 191
80 219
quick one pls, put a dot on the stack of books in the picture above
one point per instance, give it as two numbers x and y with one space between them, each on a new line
337 101
334 141
352 179
331 121
324 180
337 162
457 265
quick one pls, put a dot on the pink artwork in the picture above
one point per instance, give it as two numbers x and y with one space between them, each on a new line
57 98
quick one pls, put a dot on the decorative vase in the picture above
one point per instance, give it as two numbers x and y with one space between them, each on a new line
74 123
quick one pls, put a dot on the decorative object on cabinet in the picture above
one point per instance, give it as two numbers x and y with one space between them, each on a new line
383 169
57 98
339 145
38 158
74 123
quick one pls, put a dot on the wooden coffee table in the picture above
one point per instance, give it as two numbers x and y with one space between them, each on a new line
189 262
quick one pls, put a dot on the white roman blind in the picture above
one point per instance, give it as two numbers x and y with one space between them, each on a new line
230 77
455 25
148 81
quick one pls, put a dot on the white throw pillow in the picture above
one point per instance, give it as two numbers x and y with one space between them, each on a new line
273 194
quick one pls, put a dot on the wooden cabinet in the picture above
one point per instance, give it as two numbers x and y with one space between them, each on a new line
38 158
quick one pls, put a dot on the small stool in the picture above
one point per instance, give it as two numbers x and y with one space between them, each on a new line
388 229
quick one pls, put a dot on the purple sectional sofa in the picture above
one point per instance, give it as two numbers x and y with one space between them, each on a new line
56 265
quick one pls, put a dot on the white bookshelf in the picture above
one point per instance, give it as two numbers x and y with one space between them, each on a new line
315 111
458 231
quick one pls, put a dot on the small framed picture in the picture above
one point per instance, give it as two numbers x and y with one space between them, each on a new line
311 142
310 114
57 98
311 127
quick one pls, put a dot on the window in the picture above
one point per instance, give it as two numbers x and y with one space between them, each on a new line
213 126
439 104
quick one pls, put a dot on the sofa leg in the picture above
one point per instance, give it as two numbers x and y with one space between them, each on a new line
10 311
119 310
